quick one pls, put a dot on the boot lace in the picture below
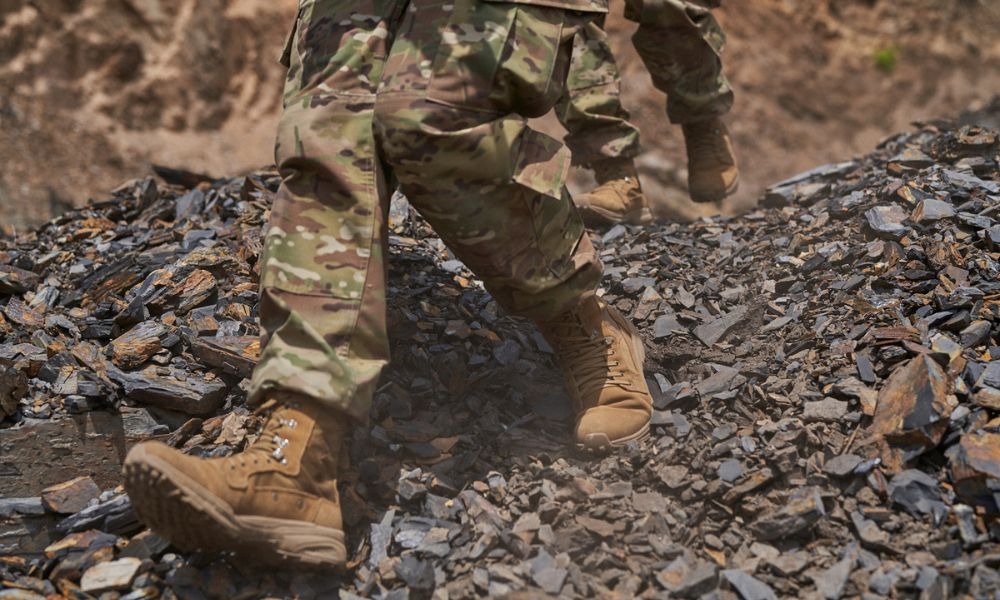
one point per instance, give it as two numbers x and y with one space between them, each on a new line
272 442
705 143
589 357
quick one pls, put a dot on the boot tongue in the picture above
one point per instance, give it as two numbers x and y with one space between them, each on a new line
582 320
591 315
705 141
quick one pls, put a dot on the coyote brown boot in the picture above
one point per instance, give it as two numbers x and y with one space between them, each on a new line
712 170
601 355
274 503
618 197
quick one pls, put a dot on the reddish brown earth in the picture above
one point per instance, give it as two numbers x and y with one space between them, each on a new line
93 92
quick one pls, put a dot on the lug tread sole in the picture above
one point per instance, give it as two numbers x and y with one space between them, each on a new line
594 216
176 506
599 443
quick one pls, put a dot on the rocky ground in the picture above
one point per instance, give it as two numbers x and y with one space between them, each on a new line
826 373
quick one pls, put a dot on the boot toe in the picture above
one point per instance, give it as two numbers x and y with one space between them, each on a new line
604 427
715 187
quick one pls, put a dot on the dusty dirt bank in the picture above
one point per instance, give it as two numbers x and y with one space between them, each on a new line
94 92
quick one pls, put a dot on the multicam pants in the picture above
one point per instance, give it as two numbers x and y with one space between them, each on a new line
680 43
433 96
596 123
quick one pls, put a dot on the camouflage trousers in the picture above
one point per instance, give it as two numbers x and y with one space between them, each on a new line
591 110
679 41
681 44
434 97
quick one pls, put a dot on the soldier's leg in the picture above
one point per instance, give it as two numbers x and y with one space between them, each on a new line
457 138
599 134
322 312
597 124
681 44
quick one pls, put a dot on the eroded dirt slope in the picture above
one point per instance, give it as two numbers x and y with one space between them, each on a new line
95 91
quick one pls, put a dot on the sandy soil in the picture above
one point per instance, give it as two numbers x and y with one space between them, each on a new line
92 93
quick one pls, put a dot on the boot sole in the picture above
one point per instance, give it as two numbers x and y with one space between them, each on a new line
735 185
600 442
596 217
192 518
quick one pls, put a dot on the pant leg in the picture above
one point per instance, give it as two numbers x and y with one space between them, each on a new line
681 44
322 307
591 108
451 120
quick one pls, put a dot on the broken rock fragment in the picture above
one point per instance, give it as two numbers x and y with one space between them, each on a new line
797 515
918 493
975 468
747 586
827 410
16 281
135 347
710 333
887 221
71 496
112 575
932 210
189 393
13 387
236 355
688 577
914 406
831 582
843 465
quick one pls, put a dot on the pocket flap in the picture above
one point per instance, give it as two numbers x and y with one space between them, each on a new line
542 163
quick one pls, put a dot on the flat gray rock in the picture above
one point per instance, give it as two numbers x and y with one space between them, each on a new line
747 586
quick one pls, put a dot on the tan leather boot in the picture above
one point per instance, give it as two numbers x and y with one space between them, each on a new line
712 170
618 197
274 503
601 355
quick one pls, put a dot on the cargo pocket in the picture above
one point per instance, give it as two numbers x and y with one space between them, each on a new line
500 57
321 231
542 166
339 44
465 65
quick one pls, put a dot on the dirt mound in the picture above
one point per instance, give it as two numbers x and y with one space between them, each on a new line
92 92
